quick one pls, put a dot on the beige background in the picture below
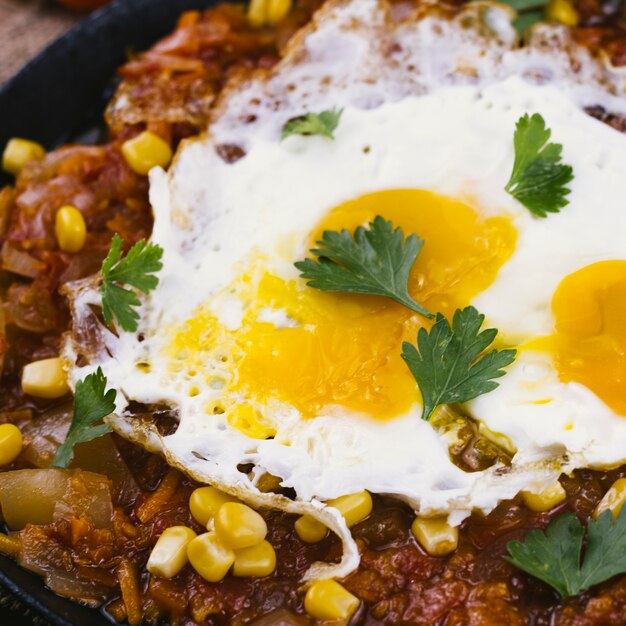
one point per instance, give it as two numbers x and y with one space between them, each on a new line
26 26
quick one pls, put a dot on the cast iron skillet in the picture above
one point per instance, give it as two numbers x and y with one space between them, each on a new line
57 97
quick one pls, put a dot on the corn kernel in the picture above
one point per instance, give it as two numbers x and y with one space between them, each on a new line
328 600
146 151
435 535
239 526
10 443
45 379
205 502
309 529
169 554
613 499
546 500
269 483
277 11
257 13
18 152
354 507
210 557
562 11
70 229
259 560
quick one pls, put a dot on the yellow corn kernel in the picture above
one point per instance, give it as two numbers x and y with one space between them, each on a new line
562 11
328 600
309 529
18 152
239 526
45 379
10 443
546 500
259 560
169 554
268 483
613 499
205 502
354 507
257 13
146 151
210 557
70 229
435 535
277 11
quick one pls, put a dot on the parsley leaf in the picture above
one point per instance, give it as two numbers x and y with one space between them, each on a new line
538 179
323 124
377 261
136 270
91 404
605 555
525 5
554 556
529 13
526 20
447 363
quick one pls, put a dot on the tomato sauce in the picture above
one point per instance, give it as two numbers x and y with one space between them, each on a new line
170 90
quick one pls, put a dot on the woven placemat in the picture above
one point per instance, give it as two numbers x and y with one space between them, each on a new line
26 27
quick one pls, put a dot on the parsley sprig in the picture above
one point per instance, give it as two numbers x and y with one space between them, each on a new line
135 269
91 404
323 124
554 556
539 178
376 261
529 13
448 362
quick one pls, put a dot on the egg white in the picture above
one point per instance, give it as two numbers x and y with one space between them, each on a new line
429 103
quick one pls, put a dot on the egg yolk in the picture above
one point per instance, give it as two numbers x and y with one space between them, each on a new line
342 350
589 343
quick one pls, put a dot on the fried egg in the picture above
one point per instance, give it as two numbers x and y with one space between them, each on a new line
309 386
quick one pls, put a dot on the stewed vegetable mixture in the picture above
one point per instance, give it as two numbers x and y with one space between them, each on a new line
122 530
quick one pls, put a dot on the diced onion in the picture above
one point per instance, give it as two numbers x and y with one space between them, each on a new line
21 263
39 496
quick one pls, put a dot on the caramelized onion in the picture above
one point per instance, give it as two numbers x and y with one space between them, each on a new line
20 263
39 496
44 434
102 457
49 559
30 307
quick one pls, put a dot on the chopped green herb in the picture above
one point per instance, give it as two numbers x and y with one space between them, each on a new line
91 404
529 12
525 5
448 363
527 20
136 270
539 178
323 124
554 556
377 261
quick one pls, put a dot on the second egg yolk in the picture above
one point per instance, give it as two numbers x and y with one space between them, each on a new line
342 351
589 344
